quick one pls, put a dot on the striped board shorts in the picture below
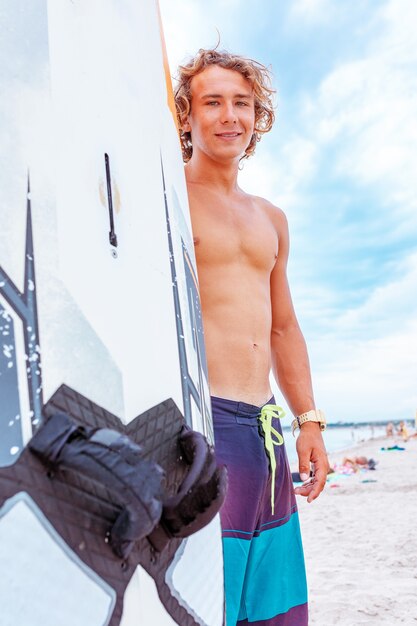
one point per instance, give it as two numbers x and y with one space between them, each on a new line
265 581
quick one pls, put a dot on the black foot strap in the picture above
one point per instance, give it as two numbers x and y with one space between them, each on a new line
114 460
200 496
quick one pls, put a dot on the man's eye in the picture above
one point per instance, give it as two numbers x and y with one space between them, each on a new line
242 104
212 102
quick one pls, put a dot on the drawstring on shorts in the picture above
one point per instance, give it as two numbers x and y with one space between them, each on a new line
269 412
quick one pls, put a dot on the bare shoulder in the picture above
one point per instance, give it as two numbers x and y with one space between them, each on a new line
278 219
275 214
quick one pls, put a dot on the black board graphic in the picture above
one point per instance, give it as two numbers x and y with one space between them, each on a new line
191 390
24 305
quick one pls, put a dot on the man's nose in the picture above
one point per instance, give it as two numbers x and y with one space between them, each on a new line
229 114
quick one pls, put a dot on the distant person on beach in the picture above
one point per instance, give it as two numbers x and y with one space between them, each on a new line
359 462
389 429
403 431
241 243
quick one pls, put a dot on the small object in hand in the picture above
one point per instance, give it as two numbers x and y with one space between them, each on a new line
309 481
297 478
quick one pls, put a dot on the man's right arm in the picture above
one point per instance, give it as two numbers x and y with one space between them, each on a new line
291 367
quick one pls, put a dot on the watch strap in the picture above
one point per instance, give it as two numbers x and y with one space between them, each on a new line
315 415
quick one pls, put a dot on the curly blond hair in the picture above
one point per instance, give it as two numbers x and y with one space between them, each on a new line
256 73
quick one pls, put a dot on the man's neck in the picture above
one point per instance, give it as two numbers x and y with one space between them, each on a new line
219 176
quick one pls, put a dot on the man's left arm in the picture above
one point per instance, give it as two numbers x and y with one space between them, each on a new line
291 368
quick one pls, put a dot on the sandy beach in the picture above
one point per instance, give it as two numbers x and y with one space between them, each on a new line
360 541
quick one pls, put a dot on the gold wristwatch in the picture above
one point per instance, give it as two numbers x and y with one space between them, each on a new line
315 415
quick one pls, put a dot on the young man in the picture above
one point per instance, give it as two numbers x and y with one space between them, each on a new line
241 242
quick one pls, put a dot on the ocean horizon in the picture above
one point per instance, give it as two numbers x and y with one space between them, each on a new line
339 437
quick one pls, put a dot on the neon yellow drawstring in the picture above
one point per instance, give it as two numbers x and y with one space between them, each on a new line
268 412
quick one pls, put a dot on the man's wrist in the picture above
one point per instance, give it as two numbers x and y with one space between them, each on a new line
315 416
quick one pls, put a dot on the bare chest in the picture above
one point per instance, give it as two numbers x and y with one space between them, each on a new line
226 233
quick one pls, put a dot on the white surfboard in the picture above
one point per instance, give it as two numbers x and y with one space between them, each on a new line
98 287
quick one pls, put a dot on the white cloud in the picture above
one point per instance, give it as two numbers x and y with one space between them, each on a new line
400 38
365 112
375 379
360 380
392 303
282 174
369 106
365 365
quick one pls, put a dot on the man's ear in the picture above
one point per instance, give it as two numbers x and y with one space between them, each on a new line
186 126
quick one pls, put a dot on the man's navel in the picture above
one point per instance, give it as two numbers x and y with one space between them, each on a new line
196 240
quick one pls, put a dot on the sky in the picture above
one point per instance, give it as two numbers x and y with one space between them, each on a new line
341 161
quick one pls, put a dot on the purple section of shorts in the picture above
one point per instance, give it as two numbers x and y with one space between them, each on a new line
294 617
240 446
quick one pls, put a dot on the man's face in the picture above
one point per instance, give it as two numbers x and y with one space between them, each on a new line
222 116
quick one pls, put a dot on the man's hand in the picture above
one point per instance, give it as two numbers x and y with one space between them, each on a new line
311 449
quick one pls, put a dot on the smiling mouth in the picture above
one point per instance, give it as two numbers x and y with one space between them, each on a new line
228 135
